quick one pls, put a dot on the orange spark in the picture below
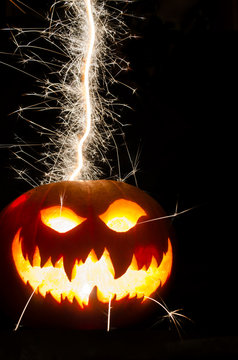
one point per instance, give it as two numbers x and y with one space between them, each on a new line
17 6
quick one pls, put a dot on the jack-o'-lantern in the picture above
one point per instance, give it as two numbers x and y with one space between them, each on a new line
67 239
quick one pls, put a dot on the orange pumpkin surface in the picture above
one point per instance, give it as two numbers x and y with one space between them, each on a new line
82 244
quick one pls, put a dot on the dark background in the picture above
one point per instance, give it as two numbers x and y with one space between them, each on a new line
184 67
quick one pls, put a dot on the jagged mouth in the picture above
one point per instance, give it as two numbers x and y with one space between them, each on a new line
52 279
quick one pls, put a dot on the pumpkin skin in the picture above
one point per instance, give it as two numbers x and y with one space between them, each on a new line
97 228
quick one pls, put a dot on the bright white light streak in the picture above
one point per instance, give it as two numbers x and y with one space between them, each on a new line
24 72
24 310
171 315
86 90
168 216
109 315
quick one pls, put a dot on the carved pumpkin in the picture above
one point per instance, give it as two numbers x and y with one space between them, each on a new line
66 239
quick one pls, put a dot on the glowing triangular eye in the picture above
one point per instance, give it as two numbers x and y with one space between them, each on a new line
122 215
60 218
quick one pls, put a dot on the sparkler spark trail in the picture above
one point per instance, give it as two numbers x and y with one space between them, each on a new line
109 315
79 51
24 310
86 90
17 6
173 315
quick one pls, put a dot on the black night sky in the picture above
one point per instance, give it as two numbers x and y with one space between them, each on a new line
184 66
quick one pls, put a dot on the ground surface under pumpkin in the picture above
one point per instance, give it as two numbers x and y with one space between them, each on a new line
58 345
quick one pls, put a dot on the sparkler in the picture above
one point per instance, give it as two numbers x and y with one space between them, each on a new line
83 38
81 34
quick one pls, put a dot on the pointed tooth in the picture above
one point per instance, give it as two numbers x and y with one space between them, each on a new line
68 266
79 301
106 258
56 296
120 261
92 256
48 263
36 257
42 291
148 262
29 258
28 252
134 265
56 258
74 271
139 255
132 295
99 251
70 297
140 295
45 259
154 263
144 257
59 263
79 262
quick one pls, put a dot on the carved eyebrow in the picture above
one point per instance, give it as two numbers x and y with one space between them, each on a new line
122 215
60 218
